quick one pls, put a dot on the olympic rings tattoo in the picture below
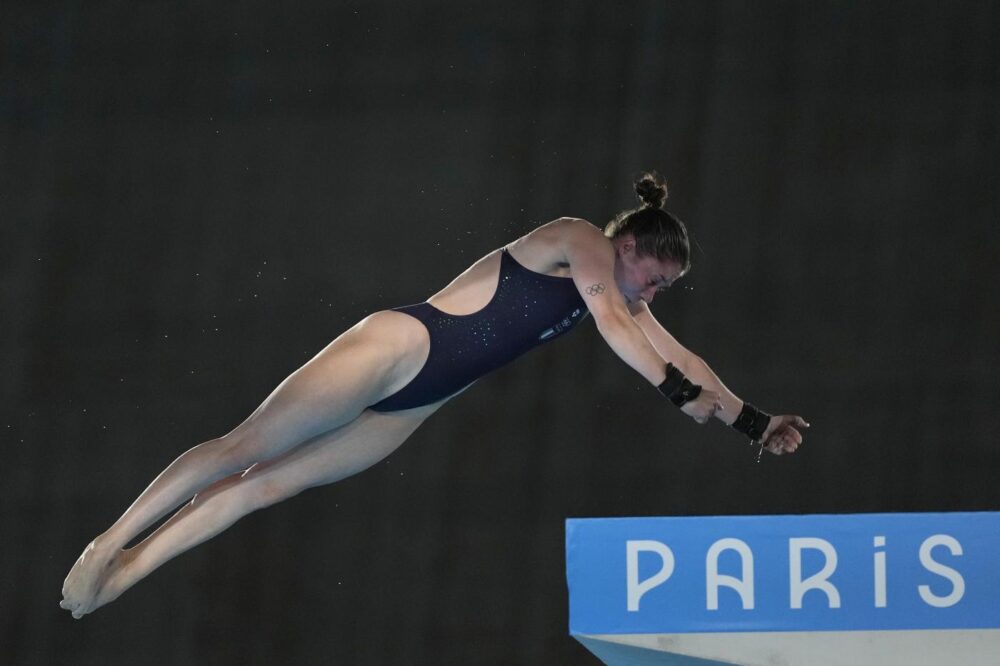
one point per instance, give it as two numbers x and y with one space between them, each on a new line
595 289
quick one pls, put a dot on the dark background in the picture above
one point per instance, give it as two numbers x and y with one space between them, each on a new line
196 197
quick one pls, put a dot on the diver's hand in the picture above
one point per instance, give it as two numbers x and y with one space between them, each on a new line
704 407
781 435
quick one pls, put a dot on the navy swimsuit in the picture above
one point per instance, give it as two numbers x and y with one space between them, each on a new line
527 309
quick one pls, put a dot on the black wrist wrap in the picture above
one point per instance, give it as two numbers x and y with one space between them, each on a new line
752 422
678 388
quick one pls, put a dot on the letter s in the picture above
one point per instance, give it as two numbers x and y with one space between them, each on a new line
957 582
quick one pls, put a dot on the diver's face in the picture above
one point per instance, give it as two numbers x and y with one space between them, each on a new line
640 277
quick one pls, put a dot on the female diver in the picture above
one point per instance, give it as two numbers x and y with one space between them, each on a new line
358 399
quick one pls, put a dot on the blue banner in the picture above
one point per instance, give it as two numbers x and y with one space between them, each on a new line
784 573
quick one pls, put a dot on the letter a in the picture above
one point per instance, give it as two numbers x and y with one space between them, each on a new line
713 580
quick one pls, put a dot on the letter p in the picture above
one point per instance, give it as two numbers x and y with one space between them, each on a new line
636 588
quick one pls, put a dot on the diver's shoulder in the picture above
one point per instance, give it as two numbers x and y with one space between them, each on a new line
573 222
559 233
572 236
573 227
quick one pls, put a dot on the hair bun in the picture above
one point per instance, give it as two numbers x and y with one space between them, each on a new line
651 189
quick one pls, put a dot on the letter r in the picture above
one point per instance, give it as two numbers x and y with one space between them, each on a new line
817 581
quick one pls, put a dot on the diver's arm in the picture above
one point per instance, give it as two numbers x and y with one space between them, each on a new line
692 365
592 259
782 433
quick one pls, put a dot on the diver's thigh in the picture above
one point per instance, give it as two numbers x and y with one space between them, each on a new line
339 453
356 370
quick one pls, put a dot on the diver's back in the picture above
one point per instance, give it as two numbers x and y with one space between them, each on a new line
537 251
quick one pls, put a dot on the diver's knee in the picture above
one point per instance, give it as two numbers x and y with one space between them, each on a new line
236 451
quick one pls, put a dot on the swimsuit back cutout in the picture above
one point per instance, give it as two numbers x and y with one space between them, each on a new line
527 309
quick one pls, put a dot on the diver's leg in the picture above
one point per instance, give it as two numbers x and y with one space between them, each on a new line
325 459
373 359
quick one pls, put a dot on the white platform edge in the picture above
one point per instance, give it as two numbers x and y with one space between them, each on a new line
968 647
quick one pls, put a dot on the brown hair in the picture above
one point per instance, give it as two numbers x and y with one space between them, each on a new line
656 232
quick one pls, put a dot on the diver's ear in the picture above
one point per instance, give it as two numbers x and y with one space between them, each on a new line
627 246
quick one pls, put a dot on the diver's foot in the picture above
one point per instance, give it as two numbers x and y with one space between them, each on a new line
120 577
85 579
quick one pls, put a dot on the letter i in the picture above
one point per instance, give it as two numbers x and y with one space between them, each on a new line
880 573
